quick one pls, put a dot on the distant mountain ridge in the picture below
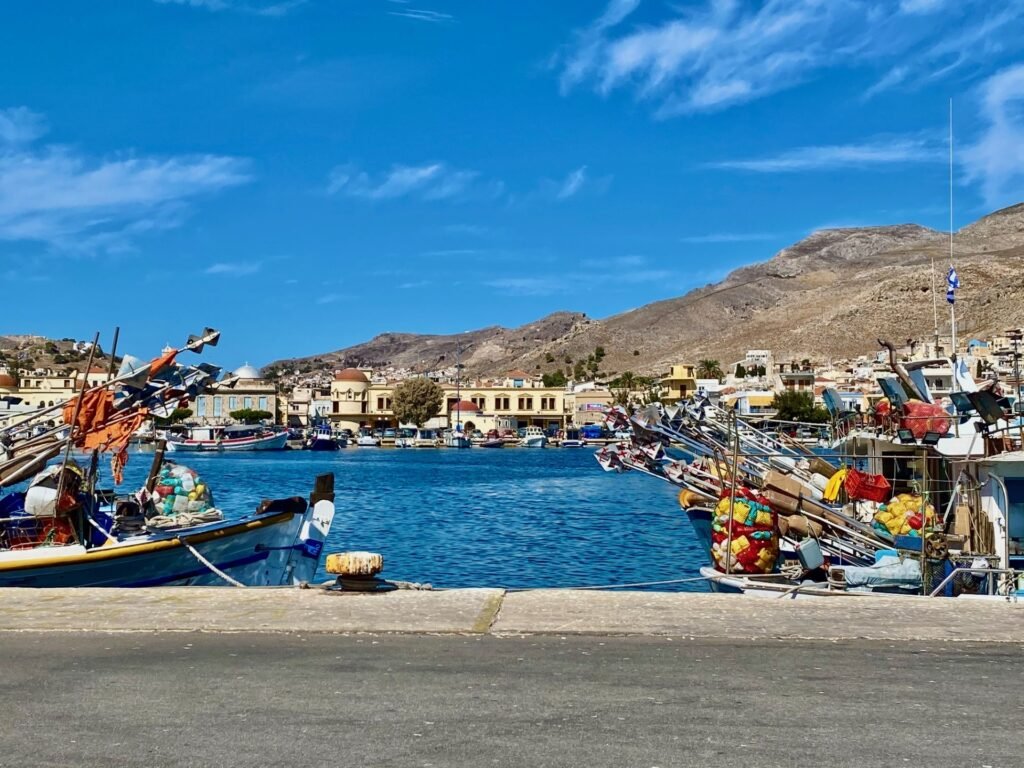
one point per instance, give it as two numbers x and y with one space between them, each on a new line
831 295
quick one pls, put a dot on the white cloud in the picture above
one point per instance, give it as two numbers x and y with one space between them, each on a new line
528 286
20 125
234 269
280 8
419 14
709 56
996 159
899 150
433 181
573 183
921 6
57 195
889 80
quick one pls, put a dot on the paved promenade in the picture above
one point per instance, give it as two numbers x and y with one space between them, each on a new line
492 611
301 678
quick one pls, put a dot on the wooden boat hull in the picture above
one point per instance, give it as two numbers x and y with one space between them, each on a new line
270 549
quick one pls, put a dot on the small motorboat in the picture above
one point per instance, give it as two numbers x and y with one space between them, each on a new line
425 438
572 439
405 438
534 437
367 439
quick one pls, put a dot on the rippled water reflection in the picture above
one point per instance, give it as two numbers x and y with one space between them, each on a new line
512 517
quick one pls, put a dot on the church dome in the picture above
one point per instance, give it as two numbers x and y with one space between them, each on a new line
351 374
247 372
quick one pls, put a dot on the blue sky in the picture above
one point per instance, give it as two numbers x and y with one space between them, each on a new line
305 174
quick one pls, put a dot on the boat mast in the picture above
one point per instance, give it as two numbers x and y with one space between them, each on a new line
458 388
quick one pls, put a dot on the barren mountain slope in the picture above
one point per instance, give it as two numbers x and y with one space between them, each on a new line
829 295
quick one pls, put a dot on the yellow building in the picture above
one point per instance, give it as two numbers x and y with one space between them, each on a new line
679 383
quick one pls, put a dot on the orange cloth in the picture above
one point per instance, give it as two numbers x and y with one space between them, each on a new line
159 363
97 407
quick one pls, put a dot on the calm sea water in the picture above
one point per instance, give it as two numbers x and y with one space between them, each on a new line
513 517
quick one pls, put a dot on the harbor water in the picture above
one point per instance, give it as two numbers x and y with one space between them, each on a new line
511 518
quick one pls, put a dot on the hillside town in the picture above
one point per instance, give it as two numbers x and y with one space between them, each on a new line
361 398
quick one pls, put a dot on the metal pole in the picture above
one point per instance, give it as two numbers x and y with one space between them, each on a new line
732 494
113 353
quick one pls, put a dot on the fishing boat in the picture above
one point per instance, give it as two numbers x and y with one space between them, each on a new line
534 437
279 544
322 439
232 437
456 438
62 532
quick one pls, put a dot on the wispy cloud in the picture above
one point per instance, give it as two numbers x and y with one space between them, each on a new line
331 298
421 14
277 8
573 183
413 284
528 286
889 80
432 181
728 237
466 229
20 125
898 150
921 6
233 268
711 56
996 160
57 195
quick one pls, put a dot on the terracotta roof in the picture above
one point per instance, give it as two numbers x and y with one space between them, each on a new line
351 374
518 374
465 406
7 381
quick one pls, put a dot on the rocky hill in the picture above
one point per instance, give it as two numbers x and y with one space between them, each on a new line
828 296
32 352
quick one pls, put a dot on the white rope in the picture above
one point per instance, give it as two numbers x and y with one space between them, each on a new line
211 566
613 586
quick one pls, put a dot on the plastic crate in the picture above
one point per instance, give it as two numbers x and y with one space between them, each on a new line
861 485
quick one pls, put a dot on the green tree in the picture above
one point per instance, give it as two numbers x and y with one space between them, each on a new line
623 387
805 364
636 353
549 358
741 371
176 416
556 379
251 416
579 372
599 353
709 369
792 405
417 401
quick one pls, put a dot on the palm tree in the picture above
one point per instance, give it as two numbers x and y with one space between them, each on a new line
709 369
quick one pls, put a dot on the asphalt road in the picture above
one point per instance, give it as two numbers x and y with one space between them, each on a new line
189 699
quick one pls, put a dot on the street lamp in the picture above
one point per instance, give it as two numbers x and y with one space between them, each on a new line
1015 335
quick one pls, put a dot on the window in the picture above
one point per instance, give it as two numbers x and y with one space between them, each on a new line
247 402
233 403
383 403
547 403
525 403
501 404
479 401
201 405
217 403
67 384
263 403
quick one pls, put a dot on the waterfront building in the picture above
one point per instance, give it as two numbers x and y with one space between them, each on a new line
244 389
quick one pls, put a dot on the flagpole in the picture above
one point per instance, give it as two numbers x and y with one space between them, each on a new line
952 304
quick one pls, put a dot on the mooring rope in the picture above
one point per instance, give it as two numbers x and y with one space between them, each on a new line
213 568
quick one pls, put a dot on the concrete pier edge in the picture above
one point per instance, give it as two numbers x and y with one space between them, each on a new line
497 612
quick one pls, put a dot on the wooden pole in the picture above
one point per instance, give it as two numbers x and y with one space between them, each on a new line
74 421
158 460
113 353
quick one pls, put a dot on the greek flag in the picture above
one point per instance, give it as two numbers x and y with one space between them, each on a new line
952 283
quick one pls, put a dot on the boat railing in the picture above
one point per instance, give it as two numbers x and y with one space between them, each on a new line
1011 581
